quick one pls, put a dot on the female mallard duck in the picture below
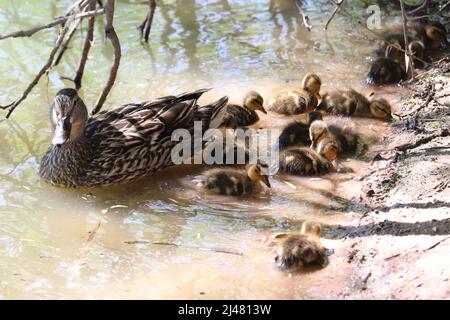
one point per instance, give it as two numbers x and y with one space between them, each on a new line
297 133
245 115
304 161
386 70
121 144
298 101
234 182
299 249
352 103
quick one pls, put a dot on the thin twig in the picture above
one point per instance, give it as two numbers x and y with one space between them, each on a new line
424 3
147 24
304 16
112 36
65 45
408 59
431 15
436 244
58 21
86 48
338 6
415 144
41 72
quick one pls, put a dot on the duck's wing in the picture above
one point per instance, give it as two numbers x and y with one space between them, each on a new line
150 122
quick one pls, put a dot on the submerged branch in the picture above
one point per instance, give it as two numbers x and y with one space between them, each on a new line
304 16
112 36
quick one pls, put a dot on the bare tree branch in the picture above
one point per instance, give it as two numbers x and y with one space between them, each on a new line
112 36
41 72
57 21
304 16
65 45
338 6
86 48
147 24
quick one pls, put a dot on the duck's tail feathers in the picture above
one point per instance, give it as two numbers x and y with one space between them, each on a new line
212 115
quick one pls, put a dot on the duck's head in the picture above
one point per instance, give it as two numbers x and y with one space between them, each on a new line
328 148
394 52
254 173
313 116
417 48
318 130
380 109
254 101
311 228
68 115
437 33
312 83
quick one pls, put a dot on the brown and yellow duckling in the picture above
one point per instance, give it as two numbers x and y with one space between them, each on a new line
292 102
297 133
300 249
432 34
245 115
387 69
305 161
350 102
341 137
235 182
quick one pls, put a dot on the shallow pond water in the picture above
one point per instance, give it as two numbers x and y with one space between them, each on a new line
162 237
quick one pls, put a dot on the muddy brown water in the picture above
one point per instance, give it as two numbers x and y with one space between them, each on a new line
162 237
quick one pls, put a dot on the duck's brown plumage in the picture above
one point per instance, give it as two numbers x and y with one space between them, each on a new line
127 142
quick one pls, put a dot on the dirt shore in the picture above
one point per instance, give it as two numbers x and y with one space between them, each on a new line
399 247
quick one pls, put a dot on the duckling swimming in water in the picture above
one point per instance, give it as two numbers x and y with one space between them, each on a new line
297 133
386 70
352 103
298 101
304 161
234 182
245 115
297 250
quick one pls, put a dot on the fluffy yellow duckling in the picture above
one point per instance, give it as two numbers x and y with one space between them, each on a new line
298 101
297 250
234 182
245 115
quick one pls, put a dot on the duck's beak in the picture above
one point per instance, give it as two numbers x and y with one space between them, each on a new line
261 108
265 180
62 131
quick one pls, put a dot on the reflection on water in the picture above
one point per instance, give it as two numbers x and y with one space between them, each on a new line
162 237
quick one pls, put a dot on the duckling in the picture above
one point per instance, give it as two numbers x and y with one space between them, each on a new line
297 133
245 115
392 39
341 136
343 102
303 161
299 249
377 108
227 181
417 49
298 101
432 34
386 70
